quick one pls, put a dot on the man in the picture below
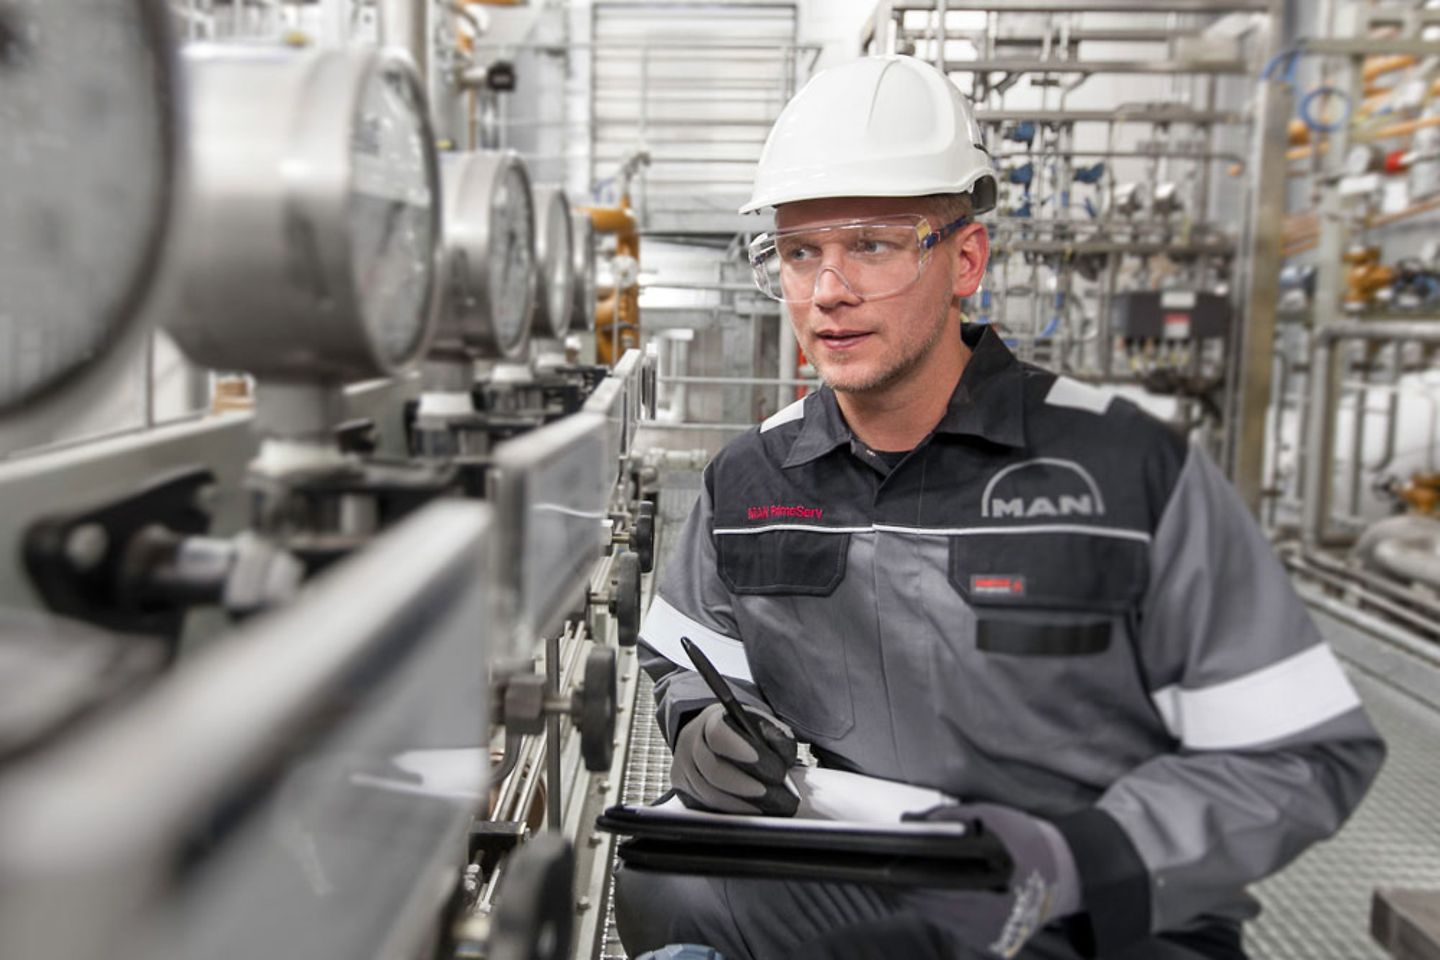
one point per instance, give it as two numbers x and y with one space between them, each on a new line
953 570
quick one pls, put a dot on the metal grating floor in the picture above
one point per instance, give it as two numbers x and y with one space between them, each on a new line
1319 907
647 775
1316 909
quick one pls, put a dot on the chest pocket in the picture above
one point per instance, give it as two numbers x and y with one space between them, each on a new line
781 562
1047 595
1050 658
795 633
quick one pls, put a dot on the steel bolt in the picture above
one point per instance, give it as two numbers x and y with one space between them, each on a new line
86 545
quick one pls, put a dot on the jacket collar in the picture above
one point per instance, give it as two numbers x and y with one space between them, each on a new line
988 402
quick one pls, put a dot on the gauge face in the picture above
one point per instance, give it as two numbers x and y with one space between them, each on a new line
86 161
558 266
512 257
393 214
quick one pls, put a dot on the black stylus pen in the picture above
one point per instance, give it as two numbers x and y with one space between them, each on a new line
728 700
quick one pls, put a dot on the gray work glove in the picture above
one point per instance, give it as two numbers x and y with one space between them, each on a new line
1045 884
716 767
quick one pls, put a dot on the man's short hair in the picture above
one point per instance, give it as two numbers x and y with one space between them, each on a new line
949 207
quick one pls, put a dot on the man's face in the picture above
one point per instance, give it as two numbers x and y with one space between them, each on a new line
865 346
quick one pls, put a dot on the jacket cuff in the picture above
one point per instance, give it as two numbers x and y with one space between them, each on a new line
1114 883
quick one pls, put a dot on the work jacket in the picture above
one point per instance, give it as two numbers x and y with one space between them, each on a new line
1053 602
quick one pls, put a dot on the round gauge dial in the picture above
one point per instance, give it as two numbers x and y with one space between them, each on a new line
86 162
308 247
557 266
512 258
393 224
490 257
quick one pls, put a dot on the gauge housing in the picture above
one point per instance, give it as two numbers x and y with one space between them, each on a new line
310 237
583 235
554 251
489 291
88 160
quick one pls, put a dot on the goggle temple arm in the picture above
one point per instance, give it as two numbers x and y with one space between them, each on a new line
931 239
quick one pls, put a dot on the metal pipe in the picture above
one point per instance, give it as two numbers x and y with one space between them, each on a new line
553 812
1372 625
1355 583
1317 483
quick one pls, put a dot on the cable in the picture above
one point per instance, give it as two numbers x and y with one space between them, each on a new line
1290 58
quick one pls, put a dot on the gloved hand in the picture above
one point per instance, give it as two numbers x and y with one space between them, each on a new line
717 768
1045 885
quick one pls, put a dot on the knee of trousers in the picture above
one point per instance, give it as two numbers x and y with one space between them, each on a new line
654 909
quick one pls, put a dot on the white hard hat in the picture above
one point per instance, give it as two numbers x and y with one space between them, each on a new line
875 127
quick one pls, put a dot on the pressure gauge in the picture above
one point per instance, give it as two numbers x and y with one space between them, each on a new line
584 237
554 249
311 232
87 160
489 256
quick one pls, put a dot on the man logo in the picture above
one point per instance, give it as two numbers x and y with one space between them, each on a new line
1041 489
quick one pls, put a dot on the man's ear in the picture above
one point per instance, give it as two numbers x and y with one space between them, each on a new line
971 250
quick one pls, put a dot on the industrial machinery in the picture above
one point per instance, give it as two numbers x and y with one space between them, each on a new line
318 658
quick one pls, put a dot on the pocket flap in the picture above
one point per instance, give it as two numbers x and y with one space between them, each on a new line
1061 571
804 562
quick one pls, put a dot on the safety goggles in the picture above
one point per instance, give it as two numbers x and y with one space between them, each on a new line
875 258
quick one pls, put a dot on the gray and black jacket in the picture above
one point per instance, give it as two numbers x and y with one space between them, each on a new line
1054 603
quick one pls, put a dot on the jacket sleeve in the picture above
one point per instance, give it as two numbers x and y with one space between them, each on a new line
1271 747
693 602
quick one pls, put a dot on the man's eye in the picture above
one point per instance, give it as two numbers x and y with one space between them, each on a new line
874 246
798 253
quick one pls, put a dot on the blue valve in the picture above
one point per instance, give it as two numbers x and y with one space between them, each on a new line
1022 132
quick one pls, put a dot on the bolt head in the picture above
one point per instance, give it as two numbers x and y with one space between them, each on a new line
86 546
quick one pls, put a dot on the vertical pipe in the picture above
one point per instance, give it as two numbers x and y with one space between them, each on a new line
1315 480
1357 434
554 812
403 24
1248 384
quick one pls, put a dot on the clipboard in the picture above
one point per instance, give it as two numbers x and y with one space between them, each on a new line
951 855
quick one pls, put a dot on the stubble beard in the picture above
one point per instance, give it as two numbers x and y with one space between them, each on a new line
886 377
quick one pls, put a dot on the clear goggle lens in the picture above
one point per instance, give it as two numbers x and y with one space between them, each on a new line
875 258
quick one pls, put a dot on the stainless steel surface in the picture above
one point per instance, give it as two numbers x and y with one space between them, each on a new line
555 258
310 235
1016 65
1123 113
62 480
280 775
1317 480
550 488
490 262
583 235
89 167
1252 350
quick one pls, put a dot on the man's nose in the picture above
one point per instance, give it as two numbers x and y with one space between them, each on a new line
831 287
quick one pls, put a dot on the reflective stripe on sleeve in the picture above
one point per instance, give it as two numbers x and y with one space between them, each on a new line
1272 703
664 626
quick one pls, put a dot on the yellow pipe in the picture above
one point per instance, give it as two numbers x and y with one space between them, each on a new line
617 316
617 220
1379 66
